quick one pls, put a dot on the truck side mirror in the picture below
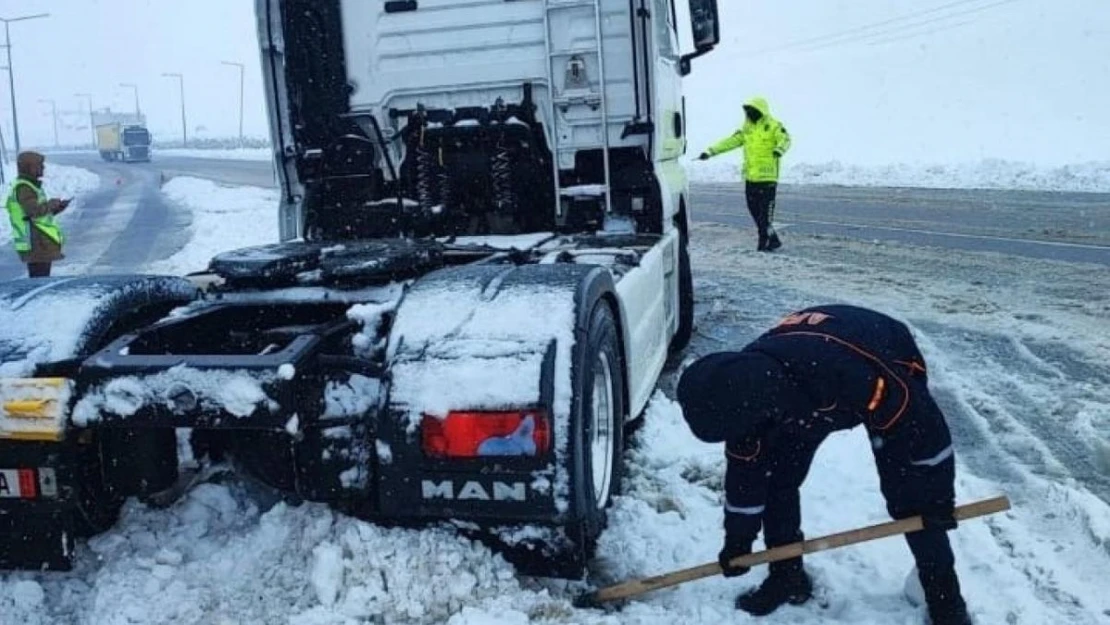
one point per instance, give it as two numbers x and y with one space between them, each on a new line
706 24
705 27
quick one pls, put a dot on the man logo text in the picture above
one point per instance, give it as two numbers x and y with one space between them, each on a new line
471 490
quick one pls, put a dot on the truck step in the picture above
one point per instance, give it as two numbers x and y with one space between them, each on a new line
584 190
581 50
585 98
593 145
570 4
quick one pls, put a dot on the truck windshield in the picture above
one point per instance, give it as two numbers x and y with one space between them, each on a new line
136 137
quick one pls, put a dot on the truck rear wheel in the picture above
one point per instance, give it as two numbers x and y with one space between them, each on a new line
597 437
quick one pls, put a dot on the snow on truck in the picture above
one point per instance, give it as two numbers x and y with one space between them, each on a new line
483 268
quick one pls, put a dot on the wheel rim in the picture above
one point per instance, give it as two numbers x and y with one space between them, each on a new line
601 430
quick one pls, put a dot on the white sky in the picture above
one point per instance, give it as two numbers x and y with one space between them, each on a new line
90 46
1025 80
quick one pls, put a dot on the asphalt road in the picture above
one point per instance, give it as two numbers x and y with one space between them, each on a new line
1073 227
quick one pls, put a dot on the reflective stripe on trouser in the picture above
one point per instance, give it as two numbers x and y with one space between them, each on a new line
778 508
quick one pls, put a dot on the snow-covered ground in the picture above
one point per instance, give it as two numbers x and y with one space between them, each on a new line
1017 352
59 181
224 218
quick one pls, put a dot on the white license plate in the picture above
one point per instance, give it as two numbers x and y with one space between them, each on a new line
27 483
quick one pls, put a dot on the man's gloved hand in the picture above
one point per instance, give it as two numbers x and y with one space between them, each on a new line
939 517
704 156
777 154
730 551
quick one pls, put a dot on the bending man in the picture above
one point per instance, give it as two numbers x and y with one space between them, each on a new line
820 370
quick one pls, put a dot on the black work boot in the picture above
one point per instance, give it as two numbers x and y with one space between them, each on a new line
774 243
787 583
942 596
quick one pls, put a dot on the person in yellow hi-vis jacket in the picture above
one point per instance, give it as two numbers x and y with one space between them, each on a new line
36 235
765 141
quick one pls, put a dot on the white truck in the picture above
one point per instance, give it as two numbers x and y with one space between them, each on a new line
483 270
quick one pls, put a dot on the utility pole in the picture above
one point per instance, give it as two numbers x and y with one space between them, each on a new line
11 68
92 126
3 154
181 84
240 66
54 113
138 111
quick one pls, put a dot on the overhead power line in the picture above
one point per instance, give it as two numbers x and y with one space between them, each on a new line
906 30
887 27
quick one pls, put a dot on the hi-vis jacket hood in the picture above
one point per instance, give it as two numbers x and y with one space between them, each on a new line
764 141
760 104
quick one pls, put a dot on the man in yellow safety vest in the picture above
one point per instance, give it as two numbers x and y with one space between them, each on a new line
35 232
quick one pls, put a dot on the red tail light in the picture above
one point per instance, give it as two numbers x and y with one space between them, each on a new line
486 434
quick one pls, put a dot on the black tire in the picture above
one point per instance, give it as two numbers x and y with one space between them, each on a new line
601 352
685 329
97 505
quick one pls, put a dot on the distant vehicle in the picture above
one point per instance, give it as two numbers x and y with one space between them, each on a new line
122 136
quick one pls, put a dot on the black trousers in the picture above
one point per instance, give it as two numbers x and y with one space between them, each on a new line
38 270
907 491
760 197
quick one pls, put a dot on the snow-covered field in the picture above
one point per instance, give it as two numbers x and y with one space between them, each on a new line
60 181
224 218
1017 352
1090 177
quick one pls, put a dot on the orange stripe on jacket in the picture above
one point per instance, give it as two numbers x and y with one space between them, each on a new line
868 355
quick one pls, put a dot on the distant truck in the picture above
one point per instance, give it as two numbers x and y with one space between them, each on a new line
122 137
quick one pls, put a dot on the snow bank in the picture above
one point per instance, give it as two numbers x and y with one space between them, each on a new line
59 181
231 154
1093 177
224 218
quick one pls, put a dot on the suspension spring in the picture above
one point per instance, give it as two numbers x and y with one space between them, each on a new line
426 191
501 173
443 179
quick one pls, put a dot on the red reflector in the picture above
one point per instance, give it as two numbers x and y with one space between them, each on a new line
27 484
486 434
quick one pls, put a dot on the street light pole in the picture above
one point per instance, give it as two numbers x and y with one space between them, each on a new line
241 72
138 111
54 113
92 125
11 69
181 84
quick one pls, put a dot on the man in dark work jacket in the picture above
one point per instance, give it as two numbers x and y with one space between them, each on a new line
823 369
